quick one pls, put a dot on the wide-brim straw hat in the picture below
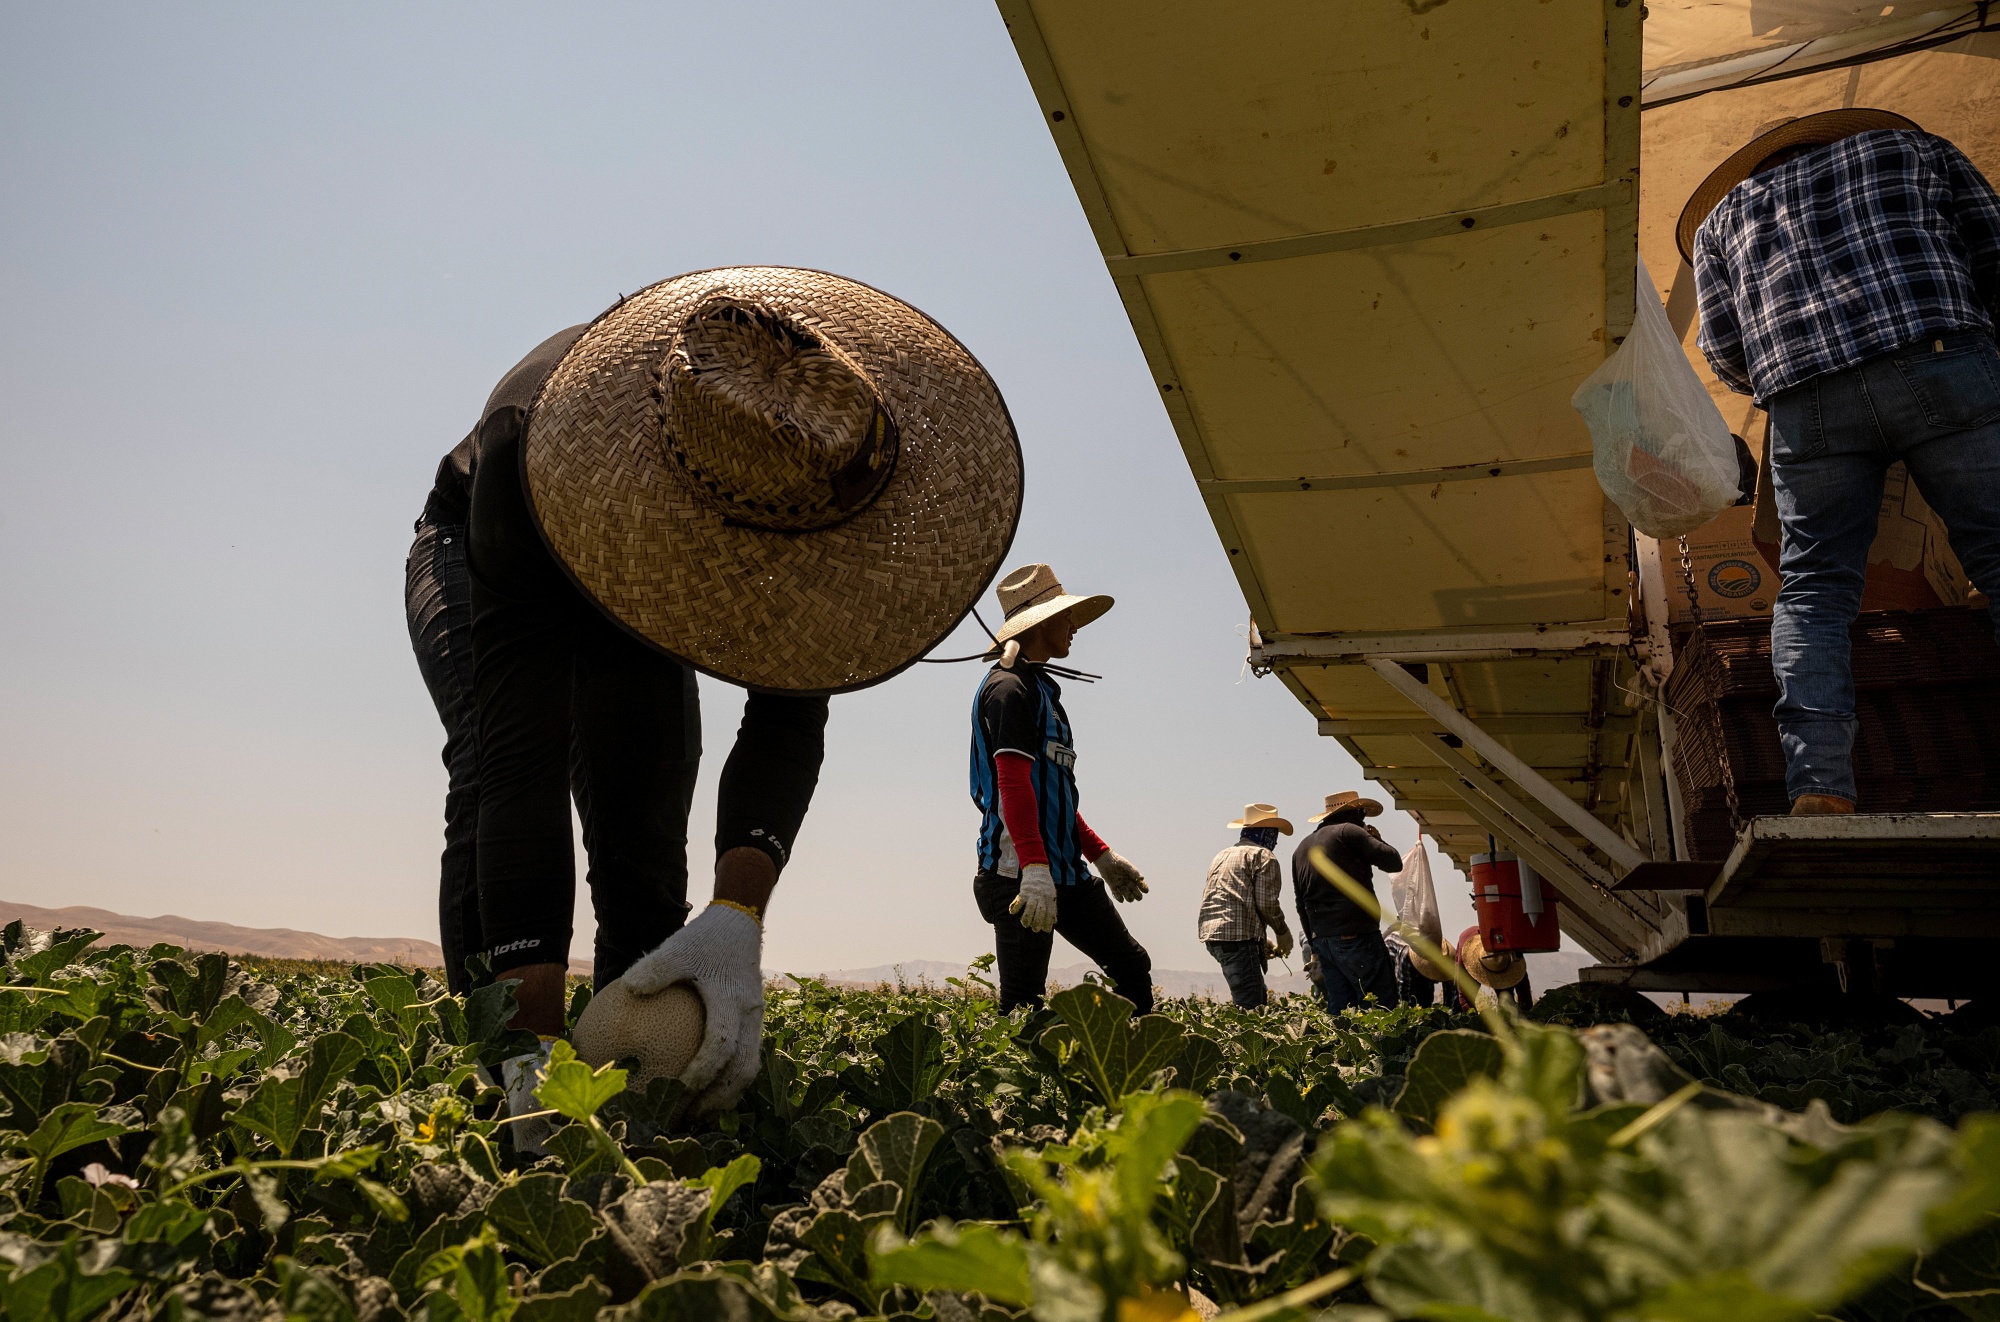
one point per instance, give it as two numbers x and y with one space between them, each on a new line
786 479
1428 969
1497 969
1257 815
1032 594
1808 130
1348 799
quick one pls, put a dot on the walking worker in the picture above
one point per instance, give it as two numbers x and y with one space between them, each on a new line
1241 900
1354 961
780 478
1033 842
1847 267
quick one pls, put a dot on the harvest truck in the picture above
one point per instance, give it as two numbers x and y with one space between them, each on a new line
1369 250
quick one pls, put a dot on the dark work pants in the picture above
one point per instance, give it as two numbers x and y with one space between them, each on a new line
1243 969
438 602
569 699
1354 966
1086 917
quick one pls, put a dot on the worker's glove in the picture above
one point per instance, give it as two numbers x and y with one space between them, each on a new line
720 953
1311 963
1124 881
520 1076
1037 901
1281 944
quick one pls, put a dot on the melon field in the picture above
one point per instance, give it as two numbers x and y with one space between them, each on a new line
192 1136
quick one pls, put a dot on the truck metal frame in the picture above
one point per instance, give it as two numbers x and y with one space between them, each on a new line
1368 250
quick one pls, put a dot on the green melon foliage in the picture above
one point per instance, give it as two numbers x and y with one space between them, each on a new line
189 1136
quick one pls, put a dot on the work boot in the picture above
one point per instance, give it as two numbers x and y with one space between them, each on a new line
1820 805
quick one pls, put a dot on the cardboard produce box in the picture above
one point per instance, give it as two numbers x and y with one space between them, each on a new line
1910 565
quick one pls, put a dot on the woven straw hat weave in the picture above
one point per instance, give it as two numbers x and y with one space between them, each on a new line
786 479
1817 130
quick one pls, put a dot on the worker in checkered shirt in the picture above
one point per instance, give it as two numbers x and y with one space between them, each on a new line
1847 267
1241 900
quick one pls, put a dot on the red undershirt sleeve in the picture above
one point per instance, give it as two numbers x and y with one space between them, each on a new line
1093 847
1018 808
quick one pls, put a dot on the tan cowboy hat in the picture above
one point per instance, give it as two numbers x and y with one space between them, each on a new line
783 478
1032 594
1499 969
1261 814
1808 130
1428 969
1348 799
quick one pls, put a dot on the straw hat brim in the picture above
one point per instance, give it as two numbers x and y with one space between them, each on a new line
1472 957
1369 808
1082 610
1818 130
1268 820
1428 969
824 611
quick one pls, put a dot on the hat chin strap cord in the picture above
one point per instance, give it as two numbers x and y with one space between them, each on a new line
1010 652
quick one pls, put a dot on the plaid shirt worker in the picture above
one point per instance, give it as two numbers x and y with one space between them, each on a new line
1854 250
1244 882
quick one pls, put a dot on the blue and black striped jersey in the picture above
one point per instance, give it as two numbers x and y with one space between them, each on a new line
1020 710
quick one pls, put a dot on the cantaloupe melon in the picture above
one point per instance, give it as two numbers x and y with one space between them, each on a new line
663 1030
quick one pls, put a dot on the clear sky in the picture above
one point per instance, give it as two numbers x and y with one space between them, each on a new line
259 267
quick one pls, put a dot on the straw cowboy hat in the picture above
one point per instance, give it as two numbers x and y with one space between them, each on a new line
1032 594
1428 969
783 478
1498 969
1261 815
1808 131
1348 799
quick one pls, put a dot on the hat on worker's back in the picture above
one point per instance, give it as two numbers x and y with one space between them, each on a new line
1261 815
1348 799
1498 969
1032 594
1818 130
783 478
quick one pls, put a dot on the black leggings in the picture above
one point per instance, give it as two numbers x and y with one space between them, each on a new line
1086 918
567 697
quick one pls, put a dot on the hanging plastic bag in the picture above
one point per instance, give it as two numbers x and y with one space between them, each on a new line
1415 898
1663 453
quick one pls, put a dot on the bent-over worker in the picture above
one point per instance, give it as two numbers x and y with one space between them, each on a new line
1847 267
1354 960
781 478
1241 900
1033 842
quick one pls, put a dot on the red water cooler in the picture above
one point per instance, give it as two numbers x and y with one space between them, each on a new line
1516 910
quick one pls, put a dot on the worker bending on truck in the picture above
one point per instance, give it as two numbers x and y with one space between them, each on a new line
1033 843
1354 961
1847 266
1241 900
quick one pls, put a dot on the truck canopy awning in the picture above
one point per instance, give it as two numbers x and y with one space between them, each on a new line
1369 250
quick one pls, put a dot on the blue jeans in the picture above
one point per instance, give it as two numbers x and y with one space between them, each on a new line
1243 969
1351 967
1832 438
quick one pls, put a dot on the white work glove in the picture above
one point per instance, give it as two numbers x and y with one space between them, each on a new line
1037 901
1125 882
520 1076
1281 943
720 952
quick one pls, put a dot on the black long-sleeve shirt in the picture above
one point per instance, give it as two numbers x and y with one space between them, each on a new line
1323 910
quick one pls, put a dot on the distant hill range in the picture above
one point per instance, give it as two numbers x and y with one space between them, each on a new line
271 942
1545 971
